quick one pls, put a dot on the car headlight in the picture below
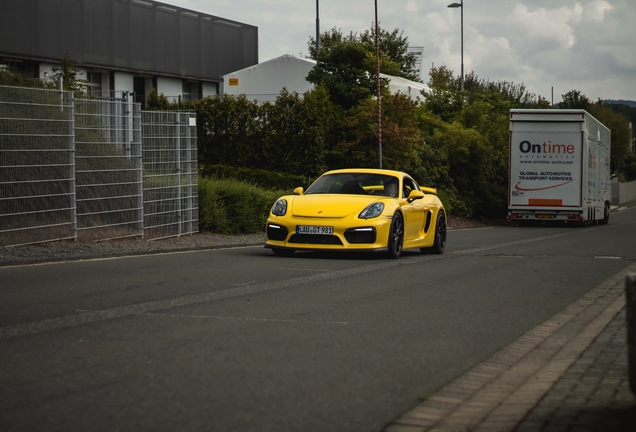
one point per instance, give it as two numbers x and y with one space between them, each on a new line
371 211
280 207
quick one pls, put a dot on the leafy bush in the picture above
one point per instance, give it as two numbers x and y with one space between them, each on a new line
231 206
263 178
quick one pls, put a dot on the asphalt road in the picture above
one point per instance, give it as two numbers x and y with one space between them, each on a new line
242 340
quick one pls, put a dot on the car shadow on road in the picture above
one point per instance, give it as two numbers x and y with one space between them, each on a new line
343 255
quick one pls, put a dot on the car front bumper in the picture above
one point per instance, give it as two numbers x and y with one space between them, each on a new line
365 235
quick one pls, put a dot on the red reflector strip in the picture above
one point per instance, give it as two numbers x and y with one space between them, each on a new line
545 202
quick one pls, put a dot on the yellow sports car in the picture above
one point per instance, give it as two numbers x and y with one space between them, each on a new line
358 210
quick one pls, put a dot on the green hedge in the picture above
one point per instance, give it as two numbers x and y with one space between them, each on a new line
263 178
231 206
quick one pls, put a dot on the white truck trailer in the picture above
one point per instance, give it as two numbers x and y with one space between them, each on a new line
559 167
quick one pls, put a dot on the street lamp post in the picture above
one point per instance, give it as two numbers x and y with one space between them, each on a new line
377 72
317 30
461 6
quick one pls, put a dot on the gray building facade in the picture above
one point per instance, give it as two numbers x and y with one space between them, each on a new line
126 45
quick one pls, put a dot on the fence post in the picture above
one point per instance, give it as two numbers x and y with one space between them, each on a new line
139 165
630 294
178 170
71 151
188 149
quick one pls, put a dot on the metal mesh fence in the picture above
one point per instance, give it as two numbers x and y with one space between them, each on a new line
108 163
79 169
37 190
170 174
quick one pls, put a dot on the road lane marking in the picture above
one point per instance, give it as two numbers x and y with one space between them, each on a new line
273 320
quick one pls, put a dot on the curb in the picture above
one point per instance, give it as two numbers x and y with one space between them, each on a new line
499 392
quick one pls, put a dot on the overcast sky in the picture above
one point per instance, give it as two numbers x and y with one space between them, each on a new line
585 45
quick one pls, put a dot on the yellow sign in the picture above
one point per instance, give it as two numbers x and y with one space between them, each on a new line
233 81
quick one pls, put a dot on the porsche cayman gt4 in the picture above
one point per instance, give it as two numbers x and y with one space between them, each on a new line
358 210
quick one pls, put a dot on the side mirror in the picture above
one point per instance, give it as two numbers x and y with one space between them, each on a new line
415 195
298 191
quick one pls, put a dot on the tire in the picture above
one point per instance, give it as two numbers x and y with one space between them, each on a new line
606 215
396 236
440 236
283 252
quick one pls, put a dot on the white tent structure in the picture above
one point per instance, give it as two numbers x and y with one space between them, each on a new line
263 82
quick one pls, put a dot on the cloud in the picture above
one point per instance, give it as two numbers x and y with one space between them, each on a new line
543 29
595 11
586 45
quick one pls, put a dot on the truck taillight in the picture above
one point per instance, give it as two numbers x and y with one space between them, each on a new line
574 216
517 216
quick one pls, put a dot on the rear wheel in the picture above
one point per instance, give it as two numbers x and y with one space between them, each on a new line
283 252
606 215
440 236
396 236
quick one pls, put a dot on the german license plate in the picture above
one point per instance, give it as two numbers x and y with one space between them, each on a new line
545 216
307 229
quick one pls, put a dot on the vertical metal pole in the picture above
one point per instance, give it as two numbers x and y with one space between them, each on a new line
139 165
377 72
552 103
70 106
189 146
129 130
178 170
462 31
317 30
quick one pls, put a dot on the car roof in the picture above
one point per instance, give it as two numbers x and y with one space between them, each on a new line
368 171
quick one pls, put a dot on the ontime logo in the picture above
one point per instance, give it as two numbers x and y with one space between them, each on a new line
546 148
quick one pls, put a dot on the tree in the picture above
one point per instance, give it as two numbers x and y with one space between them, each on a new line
621 133
68 72
229 131
344 71
347 65
575 100
401 139
295 130
444 99
157 101
395 59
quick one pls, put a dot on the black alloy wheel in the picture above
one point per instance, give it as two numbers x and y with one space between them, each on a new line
396 236
440 236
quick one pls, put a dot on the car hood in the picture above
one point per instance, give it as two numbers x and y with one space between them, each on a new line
330 205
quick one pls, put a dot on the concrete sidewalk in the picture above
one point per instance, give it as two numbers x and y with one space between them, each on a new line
567 374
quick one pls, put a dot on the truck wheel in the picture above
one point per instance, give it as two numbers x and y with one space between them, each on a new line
606 215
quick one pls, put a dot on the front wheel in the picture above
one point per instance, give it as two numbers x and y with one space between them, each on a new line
440 236
396 236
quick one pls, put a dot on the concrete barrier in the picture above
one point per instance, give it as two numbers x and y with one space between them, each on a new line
630 294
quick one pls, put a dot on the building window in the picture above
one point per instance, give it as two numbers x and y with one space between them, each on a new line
94 81
186 90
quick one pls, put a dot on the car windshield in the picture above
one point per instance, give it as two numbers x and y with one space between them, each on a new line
355 184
